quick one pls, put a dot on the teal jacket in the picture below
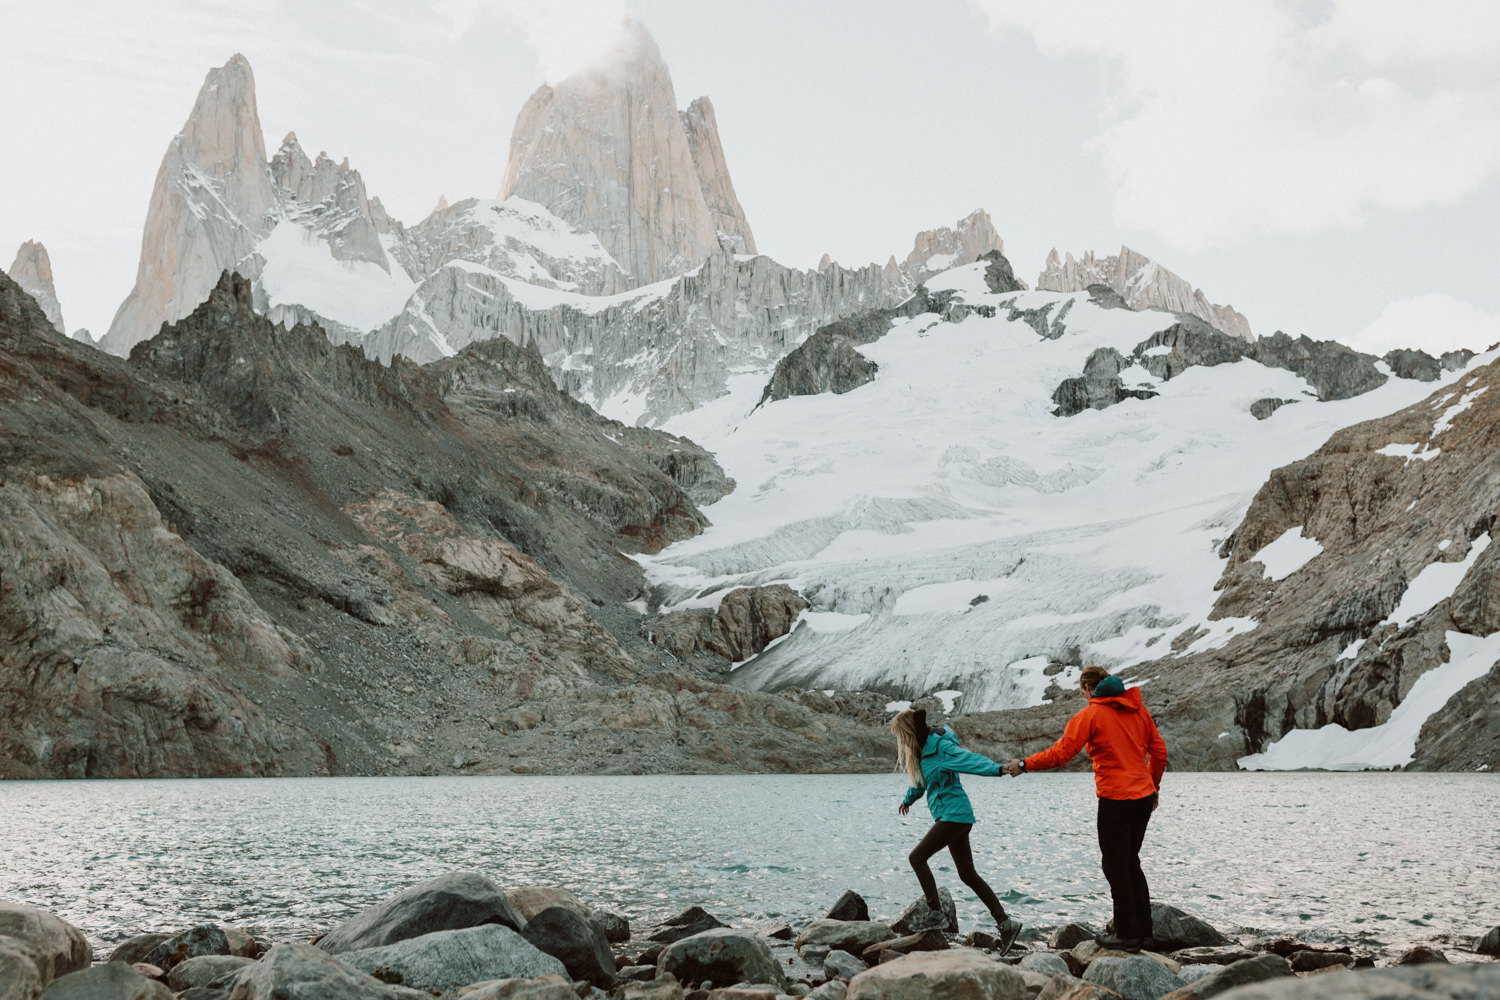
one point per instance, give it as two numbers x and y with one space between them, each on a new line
942 760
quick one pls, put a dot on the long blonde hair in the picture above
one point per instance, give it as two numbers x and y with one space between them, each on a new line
908 750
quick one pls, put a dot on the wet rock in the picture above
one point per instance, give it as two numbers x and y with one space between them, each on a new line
637 973
538 988
1417 982
1250 970
1173 930
19 977
54 946
205 939
616 928
529 900
1073 988
1069 935
445 960
111 981
850 906
921 941
203 969
741 993
242 944
841 963
1490 943
303 972
133 949
722 955
574 940
448 902
853 936
1052 965
1220 955
939 975
665 988
1312 961
834 989
1421 955
693 920
1134 977
918 911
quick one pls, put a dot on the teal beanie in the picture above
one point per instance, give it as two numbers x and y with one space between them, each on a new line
1109 687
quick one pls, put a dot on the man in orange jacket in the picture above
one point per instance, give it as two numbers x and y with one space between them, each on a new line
1129 757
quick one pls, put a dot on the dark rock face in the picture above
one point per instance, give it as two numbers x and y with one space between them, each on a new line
850 906
448 902
1099 387
998 275
1190 342
747 620
693 920
1174 929
1333 370
1040 319
828 361
1263 408
575 941
196 942
1414 364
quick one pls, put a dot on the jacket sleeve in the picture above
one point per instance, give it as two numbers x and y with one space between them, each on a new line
913 794
1066 748
952 757
1156 750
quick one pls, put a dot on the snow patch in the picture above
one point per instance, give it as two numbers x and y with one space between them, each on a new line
1436 582
1446 420
300 269
1287 554
1409 451
948 699
832 622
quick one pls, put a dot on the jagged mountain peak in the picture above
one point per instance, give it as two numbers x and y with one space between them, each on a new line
32 270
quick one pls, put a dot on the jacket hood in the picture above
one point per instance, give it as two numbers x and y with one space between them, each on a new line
1129 701
934 738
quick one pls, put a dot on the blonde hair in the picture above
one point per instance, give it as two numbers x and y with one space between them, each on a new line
1092 675
908 754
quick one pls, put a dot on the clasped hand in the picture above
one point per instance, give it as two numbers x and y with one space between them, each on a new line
1013 768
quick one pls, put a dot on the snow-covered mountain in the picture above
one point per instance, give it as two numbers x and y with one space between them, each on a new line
953 532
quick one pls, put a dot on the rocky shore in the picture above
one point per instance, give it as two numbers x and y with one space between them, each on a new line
462 935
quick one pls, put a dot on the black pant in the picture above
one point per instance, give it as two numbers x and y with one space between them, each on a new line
955 837
1122 828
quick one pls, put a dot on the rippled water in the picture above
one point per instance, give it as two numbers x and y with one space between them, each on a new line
1382 858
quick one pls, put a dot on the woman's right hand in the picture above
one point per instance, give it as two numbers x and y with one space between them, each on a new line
903 809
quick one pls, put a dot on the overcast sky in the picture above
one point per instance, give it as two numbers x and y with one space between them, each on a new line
1327 168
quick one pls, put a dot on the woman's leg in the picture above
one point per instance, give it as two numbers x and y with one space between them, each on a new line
1115 855
1140 891
939 837
963 862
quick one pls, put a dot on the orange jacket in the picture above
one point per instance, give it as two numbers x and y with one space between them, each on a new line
1121 738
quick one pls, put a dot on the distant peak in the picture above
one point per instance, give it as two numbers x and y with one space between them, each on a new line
628 52
442 204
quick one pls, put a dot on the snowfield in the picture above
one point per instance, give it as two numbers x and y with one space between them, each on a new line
952 534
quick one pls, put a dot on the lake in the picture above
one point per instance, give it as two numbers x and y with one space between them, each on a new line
1382 859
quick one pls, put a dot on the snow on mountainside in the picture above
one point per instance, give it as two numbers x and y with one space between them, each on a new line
952 533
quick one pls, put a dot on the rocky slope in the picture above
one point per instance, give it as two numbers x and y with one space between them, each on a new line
32 270
248 551
1142 283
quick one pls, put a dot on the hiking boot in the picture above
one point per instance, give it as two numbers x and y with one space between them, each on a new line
927 919
1116 943
1008 930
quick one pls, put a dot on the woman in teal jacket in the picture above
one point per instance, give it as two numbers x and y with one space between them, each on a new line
932 761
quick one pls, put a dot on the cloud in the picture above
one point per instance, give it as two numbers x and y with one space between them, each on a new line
1241 118
1433 322
565 34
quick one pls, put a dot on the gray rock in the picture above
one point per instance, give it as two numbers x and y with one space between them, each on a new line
853 936
722 955
665 988
917 911
939 975
1421 955
1041 961
1262 408
1106 297
538 988
616 928
203 969
445 960
1221 980
529 900
1192 973
637 973
1134 977
1417 365
1333 370
999 277
303 972
1191 343
111 981
134 949
54 946
205 939
1040 319
1070 935
1220 955
448 902
1312 961
693 920
827 361
1415 982
1173 929
1490 943
834 989
1073 988
850 906
841 963
574 940
19 977
1098 388
1453 361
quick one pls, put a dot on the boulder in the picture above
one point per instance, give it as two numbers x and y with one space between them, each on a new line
1173 929
205 939
955 974
1226 955
722 955
304 972
449 902
693 920
925 941
850 906
1070 935
1250 970
445 960
242 944
1490 943
841 964
203 969
664 988
916 912
1413 982
741 993
54 946
1312 961
616 928
111 981
1052 965
133 949
529 900
636 973
1134 977
834 989
20 979
538 988
574 940
853 936
1072 988
149 971
1421 955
